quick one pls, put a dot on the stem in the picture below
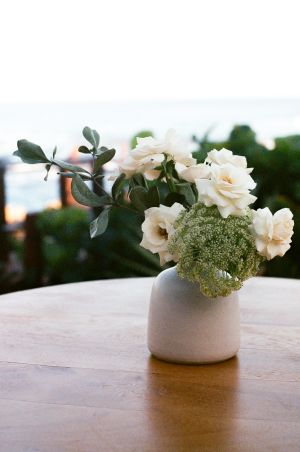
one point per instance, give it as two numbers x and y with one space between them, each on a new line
100 187
170 183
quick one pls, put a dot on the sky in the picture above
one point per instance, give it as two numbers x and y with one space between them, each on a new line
118 50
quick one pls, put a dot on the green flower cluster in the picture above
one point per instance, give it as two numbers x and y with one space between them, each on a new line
217 253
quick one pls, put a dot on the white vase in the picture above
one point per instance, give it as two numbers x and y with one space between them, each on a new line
184 326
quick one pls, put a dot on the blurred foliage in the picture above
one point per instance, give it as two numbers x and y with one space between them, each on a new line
70 255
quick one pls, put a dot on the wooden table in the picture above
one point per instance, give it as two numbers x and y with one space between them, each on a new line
75 374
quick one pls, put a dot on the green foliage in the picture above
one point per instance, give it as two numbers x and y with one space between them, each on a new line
217 253
92 136
99 225
142 198
30 152
103 156
83 195
70 255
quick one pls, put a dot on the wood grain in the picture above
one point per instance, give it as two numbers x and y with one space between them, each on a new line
75 374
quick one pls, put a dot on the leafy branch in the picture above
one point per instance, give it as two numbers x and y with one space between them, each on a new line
141 193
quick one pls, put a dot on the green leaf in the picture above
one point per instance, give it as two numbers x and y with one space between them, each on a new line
69 167
118 185
138 197
153 197
30 152
92 136
142 199
99 225
186 190
84 150
139 180
47 167
171 198
83 195
102 158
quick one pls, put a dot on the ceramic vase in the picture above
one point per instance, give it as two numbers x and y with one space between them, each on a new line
186 327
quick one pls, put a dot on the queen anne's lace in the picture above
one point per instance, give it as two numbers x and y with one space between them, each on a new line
217 253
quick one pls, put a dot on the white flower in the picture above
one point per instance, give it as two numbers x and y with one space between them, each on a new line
226 156
177 149
149 153
147 146
158 227
172 146
129 166
145 165
228 189
272 232
191 173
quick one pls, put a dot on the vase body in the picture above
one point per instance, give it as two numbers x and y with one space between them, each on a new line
184 326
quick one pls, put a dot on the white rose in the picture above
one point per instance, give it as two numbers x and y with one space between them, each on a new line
272 232
158 227
226 156
228 189
129 166
147 146
191 173
177 149
172 146
145 165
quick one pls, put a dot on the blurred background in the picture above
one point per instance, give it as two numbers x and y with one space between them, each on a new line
223 74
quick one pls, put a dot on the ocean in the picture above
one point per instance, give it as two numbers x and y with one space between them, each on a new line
50 124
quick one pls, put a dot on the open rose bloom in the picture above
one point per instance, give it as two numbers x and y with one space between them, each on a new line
196 213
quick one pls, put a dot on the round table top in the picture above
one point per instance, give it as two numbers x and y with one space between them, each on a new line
76 374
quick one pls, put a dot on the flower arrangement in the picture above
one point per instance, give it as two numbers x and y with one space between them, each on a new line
197 215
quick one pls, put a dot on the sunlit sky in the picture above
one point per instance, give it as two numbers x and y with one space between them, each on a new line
148 50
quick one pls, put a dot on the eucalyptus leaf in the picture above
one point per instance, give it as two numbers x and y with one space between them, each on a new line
138 198
103 158
173 197
92 136
99 225
153 197
118 185
139 180
84 150
69 167
186 190
30 152
83 195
